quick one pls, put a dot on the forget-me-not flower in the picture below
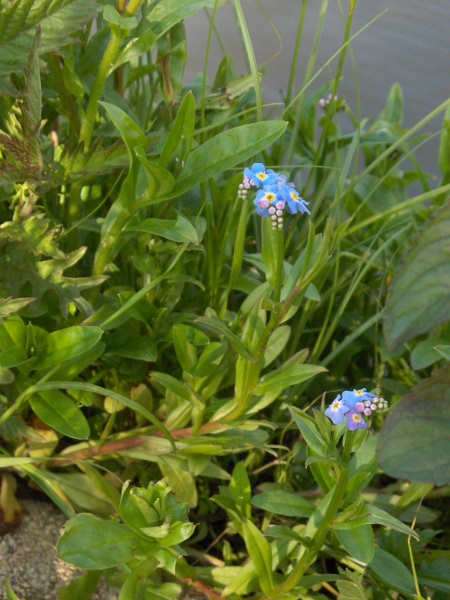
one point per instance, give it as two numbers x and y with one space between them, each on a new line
352 406
275 194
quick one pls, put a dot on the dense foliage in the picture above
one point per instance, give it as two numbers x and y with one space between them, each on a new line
168 351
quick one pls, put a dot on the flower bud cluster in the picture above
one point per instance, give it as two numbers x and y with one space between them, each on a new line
275 194
352 406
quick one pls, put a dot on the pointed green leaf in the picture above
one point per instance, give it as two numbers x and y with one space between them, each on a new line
284 503
183 484
259 549
131 133
226 150
91 543
60 413
282 378
216 326
179 141
65 344
392 572
160 181
180 230
240 489
309 430
359 542
381 517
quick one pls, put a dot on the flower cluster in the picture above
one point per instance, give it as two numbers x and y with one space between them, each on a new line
275 194
339 103
351 407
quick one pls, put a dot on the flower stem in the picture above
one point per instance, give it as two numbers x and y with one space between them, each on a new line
279 265
311 552
108 59
238 254
118 35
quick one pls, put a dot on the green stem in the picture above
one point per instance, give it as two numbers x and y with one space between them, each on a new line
254 367
318 539
238 254
279 274
104 69
108 59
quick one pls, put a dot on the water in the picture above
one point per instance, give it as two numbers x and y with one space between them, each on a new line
408 44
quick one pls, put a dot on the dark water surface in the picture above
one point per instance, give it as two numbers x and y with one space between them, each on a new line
409 44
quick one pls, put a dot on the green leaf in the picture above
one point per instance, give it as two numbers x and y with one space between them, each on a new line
111 15
131 133
65 344
172 384
182 483
59 20
160 181
80 490
414 442
420 297
425 353
350 588
157 19
240 489
393 111
137 347
13 357
269 250
358 542
444 350
166 591
381 517
9 306
91 543
283 377
284 503
60 413
226 150
180 230
392 572
276 344
179 141
309 430
31 107
435 573
96 389
9 591
214 325
259 549
27 246
81 587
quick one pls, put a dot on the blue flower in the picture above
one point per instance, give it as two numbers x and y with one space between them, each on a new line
337 411
351 398
355 420
351 407
295 203
259 176
263 201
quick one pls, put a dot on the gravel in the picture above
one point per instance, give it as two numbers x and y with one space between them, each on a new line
28 557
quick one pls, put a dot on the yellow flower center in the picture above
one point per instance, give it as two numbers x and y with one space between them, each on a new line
261 176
